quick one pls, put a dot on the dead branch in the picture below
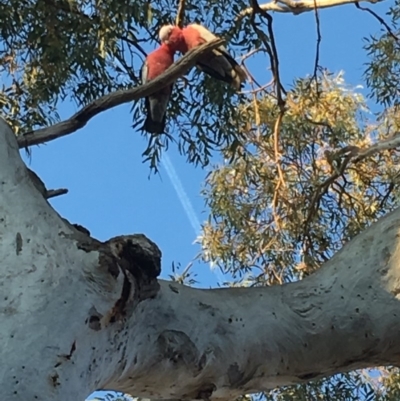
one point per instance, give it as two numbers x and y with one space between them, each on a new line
52 193
81 118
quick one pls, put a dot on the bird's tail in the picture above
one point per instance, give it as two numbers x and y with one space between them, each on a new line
239 76
154 127
221 65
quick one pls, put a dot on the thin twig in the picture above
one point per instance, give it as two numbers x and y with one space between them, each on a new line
317 51
279 86
386 197
251 53
270 48
133 43
379 18
250 75
128 70
180 15
106 102
259 89
52 193
277 129
281 181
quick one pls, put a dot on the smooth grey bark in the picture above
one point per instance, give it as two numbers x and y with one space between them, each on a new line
79 315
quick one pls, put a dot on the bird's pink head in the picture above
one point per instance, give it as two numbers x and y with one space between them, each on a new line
171 35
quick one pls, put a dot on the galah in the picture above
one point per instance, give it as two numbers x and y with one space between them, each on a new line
155 64
218 63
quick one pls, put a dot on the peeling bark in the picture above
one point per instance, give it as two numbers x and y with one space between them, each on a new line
78 314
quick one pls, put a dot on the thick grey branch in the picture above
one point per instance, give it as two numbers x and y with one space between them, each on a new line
81 118
298 7
347 156
385 144
354 154
79 315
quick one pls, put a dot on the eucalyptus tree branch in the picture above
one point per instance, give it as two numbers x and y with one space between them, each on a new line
106 102
347 157
379 18
129 71
298 7
271 49
384 144
180 15
79 315
318 44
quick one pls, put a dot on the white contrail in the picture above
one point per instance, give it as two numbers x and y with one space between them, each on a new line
182 195
186 203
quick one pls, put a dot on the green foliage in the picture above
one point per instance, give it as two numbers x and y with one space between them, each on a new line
55 50
383 70
279 226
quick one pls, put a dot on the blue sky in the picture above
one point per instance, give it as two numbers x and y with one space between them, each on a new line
110 192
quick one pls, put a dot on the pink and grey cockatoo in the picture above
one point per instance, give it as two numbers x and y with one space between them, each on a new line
155 64
218 63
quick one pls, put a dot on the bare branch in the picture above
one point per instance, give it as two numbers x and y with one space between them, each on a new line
129 71
319 38
251 76
81 118
180 15
279 86
52 193
281 181
133 43
386 144
380 19
298 7
270 47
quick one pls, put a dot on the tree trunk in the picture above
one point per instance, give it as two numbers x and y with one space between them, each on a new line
79 315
